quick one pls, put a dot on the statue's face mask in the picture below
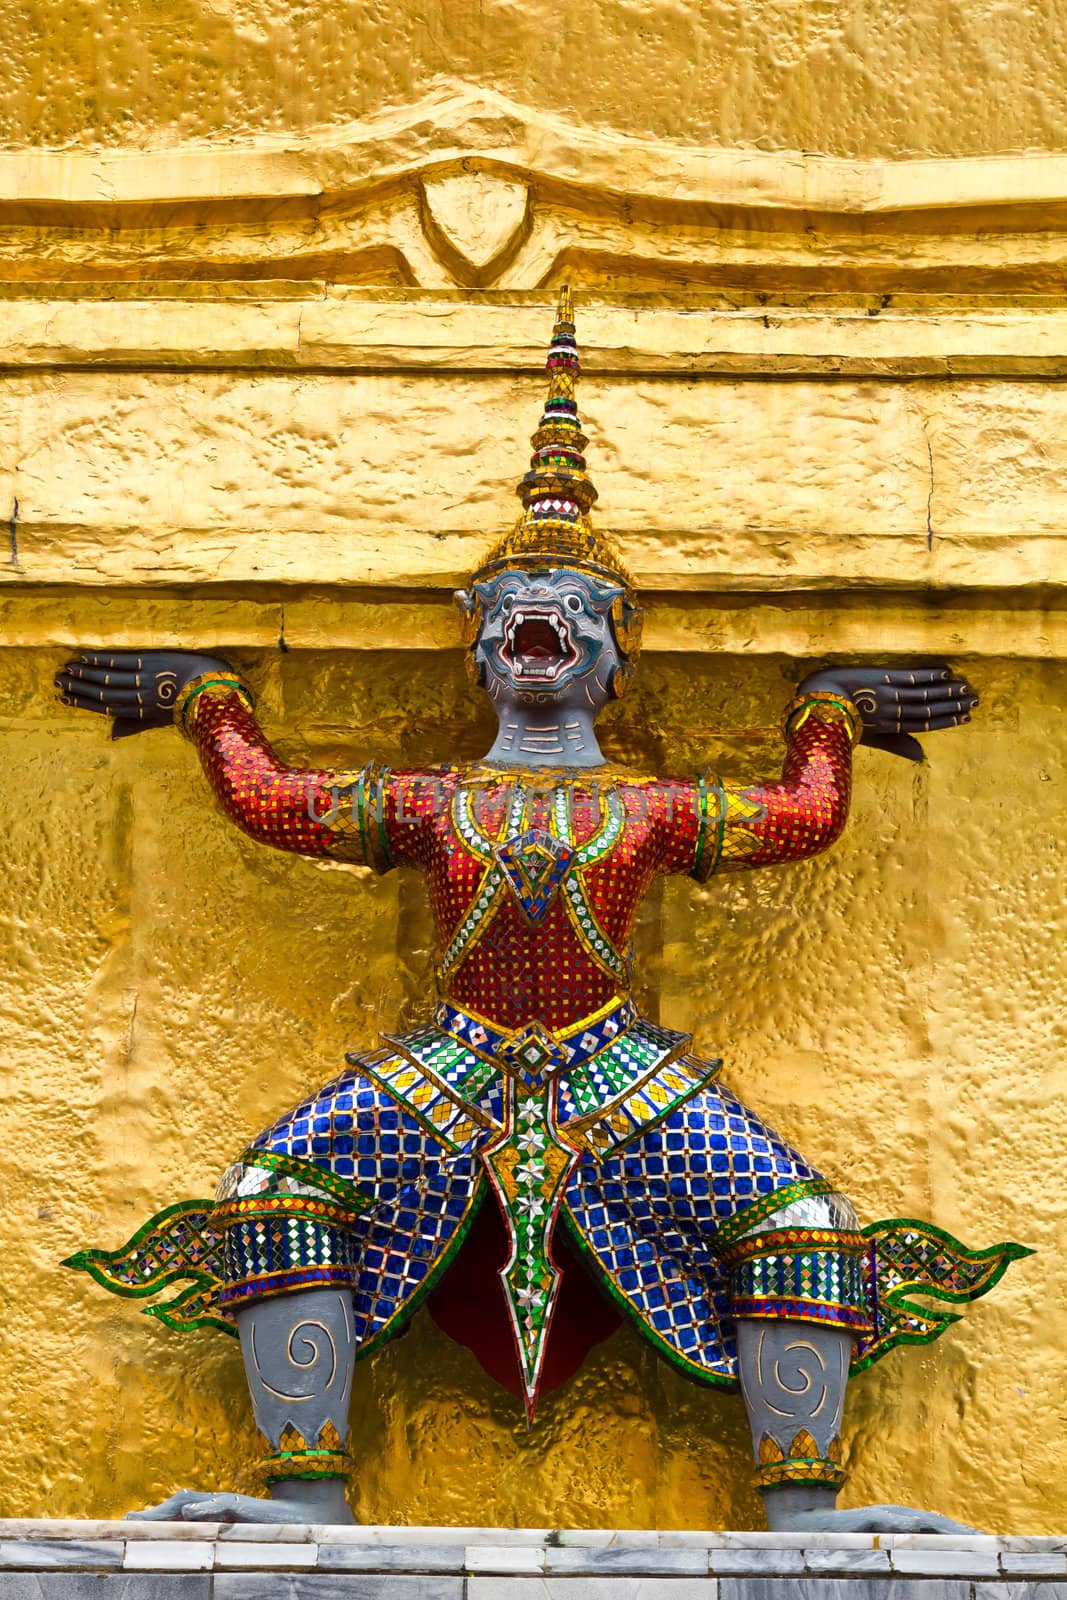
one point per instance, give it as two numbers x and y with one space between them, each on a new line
546 637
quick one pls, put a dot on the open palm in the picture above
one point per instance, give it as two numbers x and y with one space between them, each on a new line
896 703
137 688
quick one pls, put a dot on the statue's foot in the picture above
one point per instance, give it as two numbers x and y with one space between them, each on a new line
197 1505
871 1519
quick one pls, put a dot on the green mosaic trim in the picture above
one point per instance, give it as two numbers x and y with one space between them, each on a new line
493 883
307 1240
1000 1257
831 1277
400 1096
379 817
471 834
583 1089
174 1313
602 840
458 1093
766 1206
435 1053
676 1098
202 1286
478 1079
618 1076
307 1172
897 1302
576 900
475 922
683 1364
529 1167
229 683
637 1092
96 1262
704 866
376 852
589 931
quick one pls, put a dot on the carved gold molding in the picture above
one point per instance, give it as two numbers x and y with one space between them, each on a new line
460 122
360 441
468 189
57 618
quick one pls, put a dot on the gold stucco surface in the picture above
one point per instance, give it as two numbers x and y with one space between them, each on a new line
275 280
896 79
148 444
167 986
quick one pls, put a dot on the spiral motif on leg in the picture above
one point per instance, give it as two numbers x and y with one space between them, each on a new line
793 1380
310 1353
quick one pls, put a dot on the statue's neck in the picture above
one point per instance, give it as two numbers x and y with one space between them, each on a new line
557 736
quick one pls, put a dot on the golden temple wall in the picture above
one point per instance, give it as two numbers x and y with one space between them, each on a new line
276 286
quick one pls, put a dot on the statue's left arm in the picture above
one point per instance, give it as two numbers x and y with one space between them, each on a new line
805 810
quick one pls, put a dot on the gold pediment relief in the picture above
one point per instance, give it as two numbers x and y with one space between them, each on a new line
468 189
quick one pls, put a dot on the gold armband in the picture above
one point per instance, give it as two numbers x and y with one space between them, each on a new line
295 1458
186 703
828 707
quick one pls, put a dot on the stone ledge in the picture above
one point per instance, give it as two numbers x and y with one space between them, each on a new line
40 1560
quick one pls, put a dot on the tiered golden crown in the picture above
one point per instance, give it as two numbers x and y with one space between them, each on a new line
554 529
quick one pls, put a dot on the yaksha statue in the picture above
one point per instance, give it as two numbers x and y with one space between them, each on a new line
533 1077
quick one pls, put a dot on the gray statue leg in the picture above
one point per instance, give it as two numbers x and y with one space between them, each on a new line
299 1351
793 1377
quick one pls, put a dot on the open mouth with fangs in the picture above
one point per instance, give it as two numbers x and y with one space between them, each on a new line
538 646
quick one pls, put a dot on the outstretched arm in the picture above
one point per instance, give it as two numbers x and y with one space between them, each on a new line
311 812
805 810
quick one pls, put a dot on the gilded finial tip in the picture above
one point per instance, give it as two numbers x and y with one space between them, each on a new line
565 310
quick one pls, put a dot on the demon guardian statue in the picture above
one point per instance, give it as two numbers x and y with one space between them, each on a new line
533 1075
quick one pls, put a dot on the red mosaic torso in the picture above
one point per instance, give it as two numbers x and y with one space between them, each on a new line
513 970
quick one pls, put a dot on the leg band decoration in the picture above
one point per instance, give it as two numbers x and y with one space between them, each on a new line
295 1458
802 1462
275 1245
803 1274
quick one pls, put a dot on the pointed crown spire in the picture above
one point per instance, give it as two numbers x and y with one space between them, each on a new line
554 528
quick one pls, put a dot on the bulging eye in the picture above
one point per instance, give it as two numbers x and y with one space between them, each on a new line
573 603
508 601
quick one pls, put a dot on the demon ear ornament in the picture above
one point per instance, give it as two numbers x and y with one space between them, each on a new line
468 604
469 607
627 621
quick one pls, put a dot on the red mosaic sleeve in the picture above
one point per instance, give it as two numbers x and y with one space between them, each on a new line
800 814
675 804
314 813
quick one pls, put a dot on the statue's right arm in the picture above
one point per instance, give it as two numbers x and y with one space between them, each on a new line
314 813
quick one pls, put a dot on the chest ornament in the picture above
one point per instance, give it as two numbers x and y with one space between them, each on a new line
534 865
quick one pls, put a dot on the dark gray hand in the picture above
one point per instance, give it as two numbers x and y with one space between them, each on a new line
898 702
137 688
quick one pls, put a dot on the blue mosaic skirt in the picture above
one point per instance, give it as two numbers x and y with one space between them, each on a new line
695 1221
351 1188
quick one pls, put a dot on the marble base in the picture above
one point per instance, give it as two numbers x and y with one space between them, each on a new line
51 1560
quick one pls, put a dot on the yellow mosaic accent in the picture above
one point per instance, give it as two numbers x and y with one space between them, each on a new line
296 1458
208 683
804 1463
